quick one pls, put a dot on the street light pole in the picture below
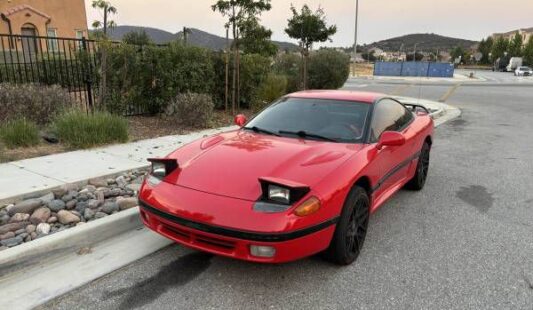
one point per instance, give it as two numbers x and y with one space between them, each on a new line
355 36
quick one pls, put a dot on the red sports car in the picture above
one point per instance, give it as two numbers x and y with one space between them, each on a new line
302 177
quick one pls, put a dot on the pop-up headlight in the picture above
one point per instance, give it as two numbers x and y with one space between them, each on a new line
161 167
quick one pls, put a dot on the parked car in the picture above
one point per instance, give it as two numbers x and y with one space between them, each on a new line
523 71
300 178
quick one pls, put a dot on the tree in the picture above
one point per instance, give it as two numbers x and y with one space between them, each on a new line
499 48
485 48
528 52
515 46
107 10
458 53
309 27
238 12
137 38
101 27
256 39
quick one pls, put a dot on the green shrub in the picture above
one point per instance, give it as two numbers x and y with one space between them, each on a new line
254 70
39 104
19 133
77 129
271 89
328 69
195 110
147 78
290 65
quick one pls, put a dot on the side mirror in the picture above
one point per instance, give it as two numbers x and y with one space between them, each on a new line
240 120
391 138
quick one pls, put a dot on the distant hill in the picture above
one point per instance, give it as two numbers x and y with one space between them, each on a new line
425 42
197 37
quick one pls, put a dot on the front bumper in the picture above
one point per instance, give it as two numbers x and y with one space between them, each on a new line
236 244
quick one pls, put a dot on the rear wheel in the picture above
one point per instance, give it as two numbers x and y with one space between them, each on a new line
351 230
422 169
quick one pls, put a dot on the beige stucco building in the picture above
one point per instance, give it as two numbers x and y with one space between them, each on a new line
47 18
526 34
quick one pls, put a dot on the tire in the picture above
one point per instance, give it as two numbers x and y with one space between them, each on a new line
422 169
350 233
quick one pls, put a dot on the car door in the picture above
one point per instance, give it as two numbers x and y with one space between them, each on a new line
393 161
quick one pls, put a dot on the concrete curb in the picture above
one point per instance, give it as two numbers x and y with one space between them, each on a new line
31 254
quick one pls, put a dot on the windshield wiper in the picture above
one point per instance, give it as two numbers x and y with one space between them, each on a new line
303 134
261 130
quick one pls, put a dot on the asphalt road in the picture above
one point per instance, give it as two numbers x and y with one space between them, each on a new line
465 242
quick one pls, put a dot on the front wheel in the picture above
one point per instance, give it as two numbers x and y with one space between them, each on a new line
350 233
419 180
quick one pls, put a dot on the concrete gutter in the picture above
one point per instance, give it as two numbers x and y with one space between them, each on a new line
92 250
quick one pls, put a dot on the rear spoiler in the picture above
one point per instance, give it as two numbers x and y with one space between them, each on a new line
415 107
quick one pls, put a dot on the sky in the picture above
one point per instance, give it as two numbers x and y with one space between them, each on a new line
378 19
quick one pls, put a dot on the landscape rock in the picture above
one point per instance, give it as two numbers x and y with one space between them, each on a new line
94 204
71 204
26 206
52 220
12 242
81 206
57 205
19 217
69 196
88 214
4 219
12 227
99 215
64 189
134 187
20 231
121 181
66 217
31 228
98 182
42 229
28 238
100 196
46 199
24 235
33 235
127 203
39 216
7 235
110 207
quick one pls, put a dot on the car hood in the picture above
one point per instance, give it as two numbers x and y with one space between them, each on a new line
231 164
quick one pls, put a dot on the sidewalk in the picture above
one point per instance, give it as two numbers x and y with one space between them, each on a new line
41 174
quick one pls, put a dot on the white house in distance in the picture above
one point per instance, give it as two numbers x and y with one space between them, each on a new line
526 34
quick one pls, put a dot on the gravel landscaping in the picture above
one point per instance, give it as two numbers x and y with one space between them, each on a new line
67 207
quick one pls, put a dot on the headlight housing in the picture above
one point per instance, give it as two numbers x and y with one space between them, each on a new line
279 195
161 167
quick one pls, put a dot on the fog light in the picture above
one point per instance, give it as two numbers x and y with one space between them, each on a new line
262 251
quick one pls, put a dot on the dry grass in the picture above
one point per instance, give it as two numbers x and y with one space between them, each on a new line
7 155
362 69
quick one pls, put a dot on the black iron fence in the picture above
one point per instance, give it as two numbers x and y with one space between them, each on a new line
68 62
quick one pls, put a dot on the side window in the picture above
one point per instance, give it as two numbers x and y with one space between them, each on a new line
389 115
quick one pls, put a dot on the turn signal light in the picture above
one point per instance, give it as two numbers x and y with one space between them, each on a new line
308 207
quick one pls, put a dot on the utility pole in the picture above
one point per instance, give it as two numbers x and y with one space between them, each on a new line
355 37
400 52
414 55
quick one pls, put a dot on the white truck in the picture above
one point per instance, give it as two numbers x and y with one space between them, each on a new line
514 63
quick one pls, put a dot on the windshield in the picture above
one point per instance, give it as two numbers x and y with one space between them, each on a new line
314 119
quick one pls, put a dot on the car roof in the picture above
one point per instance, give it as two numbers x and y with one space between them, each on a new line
344 95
